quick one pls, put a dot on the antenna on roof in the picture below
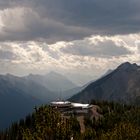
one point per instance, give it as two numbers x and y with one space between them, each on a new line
60 94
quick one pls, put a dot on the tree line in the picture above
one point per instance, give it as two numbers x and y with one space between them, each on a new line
117 122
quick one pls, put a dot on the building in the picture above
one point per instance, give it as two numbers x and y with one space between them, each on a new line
68 108
61 106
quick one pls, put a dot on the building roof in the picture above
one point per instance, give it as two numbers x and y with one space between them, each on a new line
76 105
80 105
61 103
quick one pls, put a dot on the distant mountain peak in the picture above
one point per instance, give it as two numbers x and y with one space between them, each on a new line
125 65
128 65
9 75
53 73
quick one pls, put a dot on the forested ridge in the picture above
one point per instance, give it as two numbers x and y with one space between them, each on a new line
117 122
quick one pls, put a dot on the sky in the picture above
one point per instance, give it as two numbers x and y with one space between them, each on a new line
80 39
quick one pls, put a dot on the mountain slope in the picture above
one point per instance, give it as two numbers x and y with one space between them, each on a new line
122 84
58 82
28 87
54 82
18 97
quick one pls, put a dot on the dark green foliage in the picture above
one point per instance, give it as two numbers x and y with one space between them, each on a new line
117 122
89 134
122 131
44 124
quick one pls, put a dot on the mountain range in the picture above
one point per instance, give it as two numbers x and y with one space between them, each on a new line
121 85
58 84
19 95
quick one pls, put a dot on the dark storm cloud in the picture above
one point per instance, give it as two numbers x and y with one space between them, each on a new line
103 17
13 3
75 19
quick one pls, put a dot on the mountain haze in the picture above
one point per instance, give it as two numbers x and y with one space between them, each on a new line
18 97
14 102
56 83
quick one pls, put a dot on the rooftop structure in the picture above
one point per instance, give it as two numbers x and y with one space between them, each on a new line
67 107
60 103
80 105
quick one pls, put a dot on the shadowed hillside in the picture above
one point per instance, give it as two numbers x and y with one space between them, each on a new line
122 85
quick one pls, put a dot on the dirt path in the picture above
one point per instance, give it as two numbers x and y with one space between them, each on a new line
92 114
81 122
